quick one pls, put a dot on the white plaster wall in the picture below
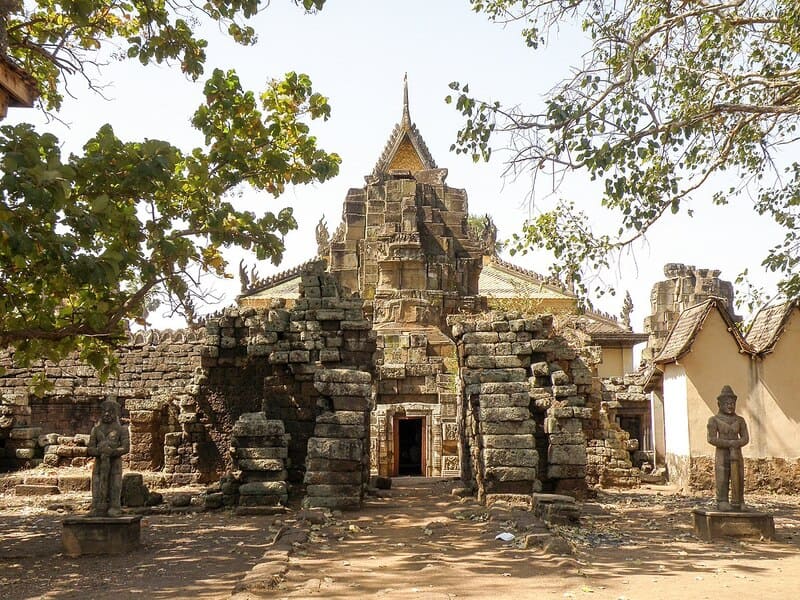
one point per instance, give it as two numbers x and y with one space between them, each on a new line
676 412
657 425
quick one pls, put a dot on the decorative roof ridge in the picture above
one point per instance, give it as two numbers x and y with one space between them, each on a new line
704 308
154 337
599 314
548 281
260 284
786 307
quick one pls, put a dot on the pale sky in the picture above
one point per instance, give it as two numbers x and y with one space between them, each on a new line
356 53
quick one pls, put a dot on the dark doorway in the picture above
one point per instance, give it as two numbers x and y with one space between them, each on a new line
633 425
410 449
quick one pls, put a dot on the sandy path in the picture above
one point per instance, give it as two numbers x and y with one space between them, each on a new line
420 542
634 545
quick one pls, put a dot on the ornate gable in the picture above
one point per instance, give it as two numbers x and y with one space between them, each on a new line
405 150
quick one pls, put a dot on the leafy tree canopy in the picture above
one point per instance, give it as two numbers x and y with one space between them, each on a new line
86 239
54 39
670 94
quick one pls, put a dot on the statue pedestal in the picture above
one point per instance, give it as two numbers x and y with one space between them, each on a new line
713 525
100 535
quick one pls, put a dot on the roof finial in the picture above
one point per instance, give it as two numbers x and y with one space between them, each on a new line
406 121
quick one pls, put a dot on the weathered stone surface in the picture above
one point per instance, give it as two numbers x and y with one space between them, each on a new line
511 473
567 455
257 424
516 457
263 488
716 525
261 464
339 449
100 535
341 417
343 389
273 452
514 413
507 427
36 490
509 441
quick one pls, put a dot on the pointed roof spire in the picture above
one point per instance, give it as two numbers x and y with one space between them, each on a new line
405 150
406 120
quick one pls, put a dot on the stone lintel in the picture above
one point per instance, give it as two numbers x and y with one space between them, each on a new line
713 525
100 535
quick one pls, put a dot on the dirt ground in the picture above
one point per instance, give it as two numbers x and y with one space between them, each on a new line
417 542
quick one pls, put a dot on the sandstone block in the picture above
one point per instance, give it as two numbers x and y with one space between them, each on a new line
511 473
334 490
260 464
481 337
508 427
257 424
509 441
273 453
567 455
342 417
514 457
342 376
263 488
340 449
515 413
343 389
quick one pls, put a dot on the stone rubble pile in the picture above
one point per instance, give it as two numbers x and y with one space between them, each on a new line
609 447
64 450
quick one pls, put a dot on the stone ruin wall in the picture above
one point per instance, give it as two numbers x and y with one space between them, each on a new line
523 406
157 372
297 355
610 448
684 287
520 407
776 475
183 391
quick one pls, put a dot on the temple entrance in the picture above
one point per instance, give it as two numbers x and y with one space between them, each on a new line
409 446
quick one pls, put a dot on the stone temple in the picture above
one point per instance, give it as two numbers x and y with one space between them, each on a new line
406 346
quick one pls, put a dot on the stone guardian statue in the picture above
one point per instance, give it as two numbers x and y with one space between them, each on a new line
108 442
727 432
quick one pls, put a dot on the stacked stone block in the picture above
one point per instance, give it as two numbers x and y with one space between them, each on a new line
64 450
609 453
610 448
317 334
259 448
559 387
524 408
495 353
18 440
147 424
337 467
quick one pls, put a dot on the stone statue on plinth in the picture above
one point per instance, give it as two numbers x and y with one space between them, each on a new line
105 530
727 432
108 442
